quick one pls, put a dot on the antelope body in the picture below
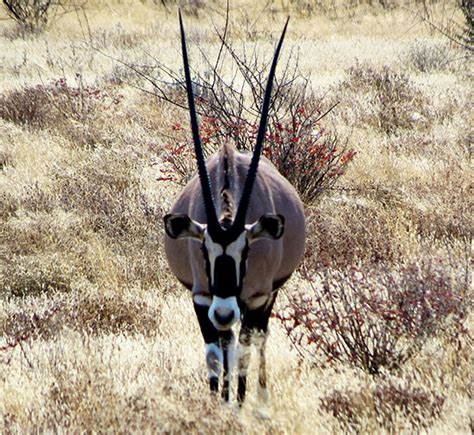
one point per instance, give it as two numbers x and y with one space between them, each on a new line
233 237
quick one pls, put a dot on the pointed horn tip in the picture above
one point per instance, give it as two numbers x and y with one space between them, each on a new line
244 201
180 16
180 20
285 27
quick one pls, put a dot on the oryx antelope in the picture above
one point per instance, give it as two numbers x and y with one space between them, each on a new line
233 237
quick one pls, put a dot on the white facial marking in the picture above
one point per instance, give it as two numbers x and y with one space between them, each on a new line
224 307
213 251
214 359
234 250
203 300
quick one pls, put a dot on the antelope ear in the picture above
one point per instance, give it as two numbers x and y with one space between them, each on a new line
181 226
269 226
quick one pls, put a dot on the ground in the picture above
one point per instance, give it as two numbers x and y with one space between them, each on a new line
95 332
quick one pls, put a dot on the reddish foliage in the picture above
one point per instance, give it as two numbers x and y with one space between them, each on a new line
302 150
372 318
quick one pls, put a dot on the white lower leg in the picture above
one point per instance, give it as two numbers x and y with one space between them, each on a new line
231 354
244 359
214 360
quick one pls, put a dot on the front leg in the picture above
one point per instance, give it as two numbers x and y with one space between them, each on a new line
214 354
254 329
227 342
244 360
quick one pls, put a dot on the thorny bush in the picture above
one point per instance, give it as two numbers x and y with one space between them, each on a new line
30 15
373 318
33 16
307 153
301 149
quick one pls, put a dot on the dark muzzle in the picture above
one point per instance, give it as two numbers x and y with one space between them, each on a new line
225 277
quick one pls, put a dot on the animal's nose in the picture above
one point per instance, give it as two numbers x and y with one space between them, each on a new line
224 318
224 312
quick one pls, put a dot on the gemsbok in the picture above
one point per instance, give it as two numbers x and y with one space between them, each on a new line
234 236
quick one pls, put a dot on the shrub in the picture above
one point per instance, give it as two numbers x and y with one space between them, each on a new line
32 276
304 151
188 7
353 228
336 8
373 318
456 30
31 15
301 149
467 33
395 102
27 106
94 313
426 57
383 403
69 109
34 15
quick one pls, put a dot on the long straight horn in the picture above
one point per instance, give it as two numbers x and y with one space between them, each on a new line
252 172
212 220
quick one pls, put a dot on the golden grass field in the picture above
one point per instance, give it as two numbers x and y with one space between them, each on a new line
96 334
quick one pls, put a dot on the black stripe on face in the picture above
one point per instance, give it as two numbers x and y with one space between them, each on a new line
228 270
207 261
225 277
243 264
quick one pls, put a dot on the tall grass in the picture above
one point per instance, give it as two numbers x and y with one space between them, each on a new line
96 335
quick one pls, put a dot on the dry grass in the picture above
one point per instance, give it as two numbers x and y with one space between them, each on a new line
95 333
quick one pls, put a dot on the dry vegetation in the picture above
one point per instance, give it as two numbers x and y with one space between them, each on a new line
374 333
